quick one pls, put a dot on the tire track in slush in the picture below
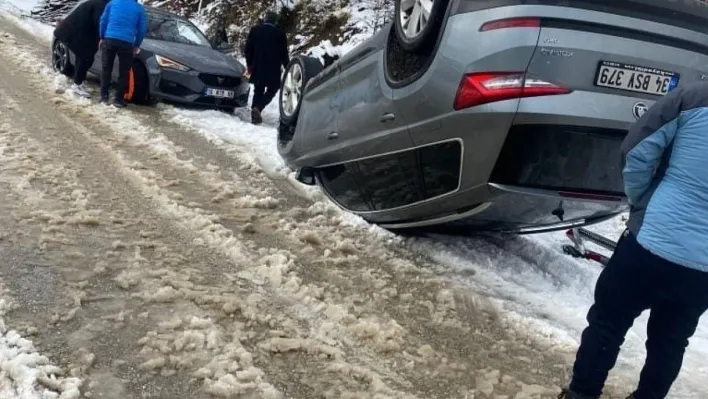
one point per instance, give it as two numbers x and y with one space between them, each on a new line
233 250
229 272
97 312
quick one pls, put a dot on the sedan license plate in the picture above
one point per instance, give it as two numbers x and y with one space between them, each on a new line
221 93
635 78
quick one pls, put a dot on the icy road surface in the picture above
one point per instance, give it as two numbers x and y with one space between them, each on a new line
143 260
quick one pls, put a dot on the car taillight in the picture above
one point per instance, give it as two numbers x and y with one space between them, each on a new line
511 23
486 87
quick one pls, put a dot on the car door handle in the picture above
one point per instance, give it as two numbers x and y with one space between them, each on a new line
388 117
333 136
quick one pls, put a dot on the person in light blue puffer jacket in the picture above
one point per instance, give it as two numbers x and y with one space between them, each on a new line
661 261
122 29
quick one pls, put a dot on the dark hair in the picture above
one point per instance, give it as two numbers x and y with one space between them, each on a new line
270 17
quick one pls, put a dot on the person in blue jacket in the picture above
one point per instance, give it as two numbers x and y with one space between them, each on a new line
122 29
661 261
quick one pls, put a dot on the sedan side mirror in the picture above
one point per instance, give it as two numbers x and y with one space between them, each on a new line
224 47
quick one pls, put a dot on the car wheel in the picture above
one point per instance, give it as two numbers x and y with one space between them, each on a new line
138 91
61 62
418 23
300 70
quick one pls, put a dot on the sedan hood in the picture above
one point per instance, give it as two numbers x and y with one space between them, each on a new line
200 58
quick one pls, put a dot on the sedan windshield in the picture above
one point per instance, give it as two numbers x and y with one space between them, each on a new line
172 29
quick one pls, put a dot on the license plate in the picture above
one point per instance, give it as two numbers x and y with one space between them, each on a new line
635 78
221 93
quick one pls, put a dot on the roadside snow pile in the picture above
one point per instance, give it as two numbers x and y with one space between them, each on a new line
24 373
364 19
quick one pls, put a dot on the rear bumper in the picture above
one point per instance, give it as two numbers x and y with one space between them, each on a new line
190 88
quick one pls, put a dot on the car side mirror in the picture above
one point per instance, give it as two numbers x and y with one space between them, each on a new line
223 47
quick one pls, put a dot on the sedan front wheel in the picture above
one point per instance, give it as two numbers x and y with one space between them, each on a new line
61 61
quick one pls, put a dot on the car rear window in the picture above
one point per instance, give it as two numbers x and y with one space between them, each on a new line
688 14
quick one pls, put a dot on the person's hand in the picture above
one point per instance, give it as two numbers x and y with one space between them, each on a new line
100 44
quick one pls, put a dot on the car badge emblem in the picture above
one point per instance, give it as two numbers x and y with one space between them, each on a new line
220 80
639 109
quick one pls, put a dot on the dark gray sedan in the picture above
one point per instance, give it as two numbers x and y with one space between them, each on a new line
176 63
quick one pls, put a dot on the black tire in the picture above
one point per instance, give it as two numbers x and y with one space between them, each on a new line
309 68
138 91
424 42
61 59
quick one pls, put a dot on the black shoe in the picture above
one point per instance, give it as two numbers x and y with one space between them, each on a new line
568 394
103 100
119 104
256 117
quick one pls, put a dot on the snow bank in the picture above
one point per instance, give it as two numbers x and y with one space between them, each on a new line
365 17
24 373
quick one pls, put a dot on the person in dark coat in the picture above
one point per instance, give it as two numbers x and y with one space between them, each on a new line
266 53
79 31
220 34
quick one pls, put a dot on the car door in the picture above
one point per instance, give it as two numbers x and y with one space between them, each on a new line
97 66
318 118
368 123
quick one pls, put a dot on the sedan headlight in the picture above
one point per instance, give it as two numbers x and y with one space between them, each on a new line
171 64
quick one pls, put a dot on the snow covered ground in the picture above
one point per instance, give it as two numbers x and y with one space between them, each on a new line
539 290
26 374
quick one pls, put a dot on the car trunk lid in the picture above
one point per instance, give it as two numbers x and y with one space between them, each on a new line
617 59
610 50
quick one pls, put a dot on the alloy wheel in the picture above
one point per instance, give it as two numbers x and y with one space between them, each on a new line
292 90
414 16
60 57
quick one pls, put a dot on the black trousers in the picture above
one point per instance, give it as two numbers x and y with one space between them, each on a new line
636 280
263 93
124 52
83 64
